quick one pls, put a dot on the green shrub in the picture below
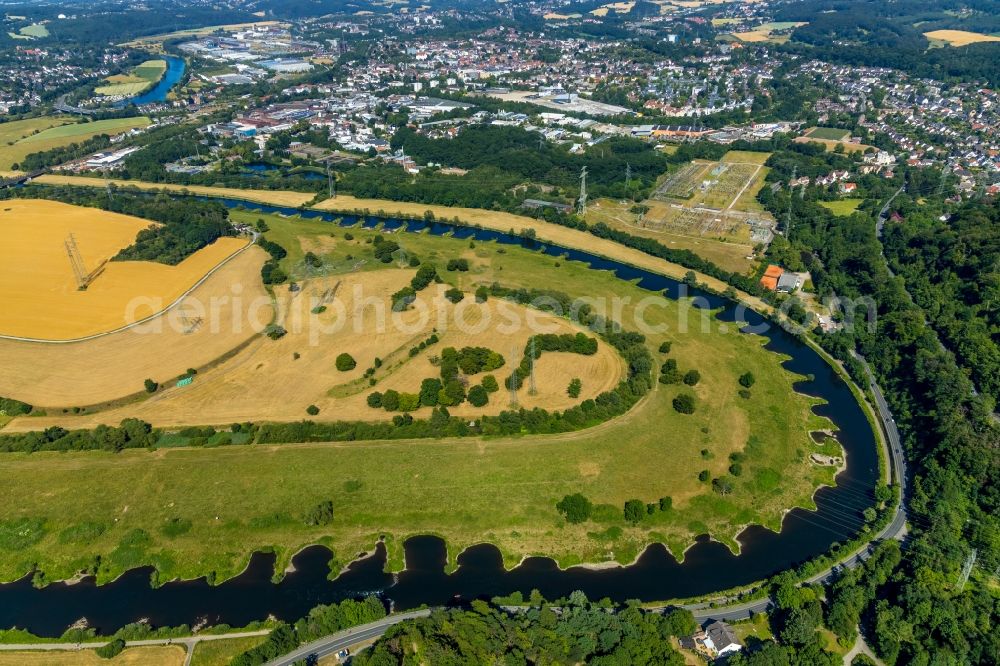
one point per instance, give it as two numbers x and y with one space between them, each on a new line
634 511
312 410
747 380
111 649
454 295
151 386
321 514
478 397
489 383
665 347
576 508
574 388
684 403
692 377
345 362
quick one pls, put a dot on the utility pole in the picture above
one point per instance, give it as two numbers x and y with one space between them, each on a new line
970 561
582 202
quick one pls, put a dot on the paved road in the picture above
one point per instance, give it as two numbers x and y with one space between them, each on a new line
336 642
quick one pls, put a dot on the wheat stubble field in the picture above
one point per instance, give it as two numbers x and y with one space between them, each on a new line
41 295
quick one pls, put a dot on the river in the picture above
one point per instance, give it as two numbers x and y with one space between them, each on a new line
158 93
708 566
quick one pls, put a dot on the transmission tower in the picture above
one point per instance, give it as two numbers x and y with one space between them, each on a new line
791 190
970 562
329 181
76 261
582 202
628 174
532 390
943 180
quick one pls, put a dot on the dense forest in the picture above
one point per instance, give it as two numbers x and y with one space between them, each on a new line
522 155
952 269
916 614
577 632
890 34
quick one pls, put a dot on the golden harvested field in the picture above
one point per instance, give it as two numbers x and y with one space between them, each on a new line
267 381
172 655
830 144
114 366
279 198
63 134
40 290
960 37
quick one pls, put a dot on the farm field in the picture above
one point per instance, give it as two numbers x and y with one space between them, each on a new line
831 138
497 220
18 129
142 77
276 197
960 37
844 207
166 655
114 366
828 133
765 32
221 652
42 299
60 134
242 498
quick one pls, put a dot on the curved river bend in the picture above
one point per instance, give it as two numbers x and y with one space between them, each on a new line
708 566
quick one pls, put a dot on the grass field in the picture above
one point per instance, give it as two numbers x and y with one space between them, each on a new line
221 652
828 133
14 131
503 491
41 296
34 30
60 134
960 37
172 655
141 78
843 207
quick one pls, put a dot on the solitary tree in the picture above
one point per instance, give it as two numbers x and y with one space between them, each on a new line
634 511
576 508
